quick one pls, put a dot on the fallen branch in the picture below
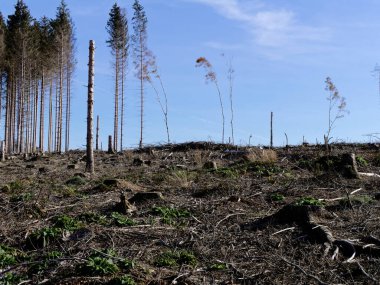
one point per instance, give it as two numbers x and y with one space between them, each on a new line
227 217
369 174
284 230
341 198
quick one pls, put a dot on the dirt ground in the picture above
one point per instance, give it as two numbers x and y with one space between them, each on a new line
194 213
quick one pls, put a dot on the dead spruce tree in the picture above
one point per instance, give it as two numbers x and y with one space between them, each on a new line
142 57
118 41
90 109
337 108
211 77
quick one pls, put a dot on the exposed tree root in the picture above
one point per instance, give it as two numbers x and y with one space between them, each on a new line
307 217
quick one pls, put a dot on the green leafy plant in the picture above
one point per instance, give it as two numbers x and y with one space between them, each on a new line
7 256
174 258
66 223
97 265
42 237
170 215
121 220
361 161
218 266
91 217
309 201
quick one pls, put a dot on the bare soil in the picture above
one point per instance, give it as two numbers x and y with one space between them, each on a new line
215 214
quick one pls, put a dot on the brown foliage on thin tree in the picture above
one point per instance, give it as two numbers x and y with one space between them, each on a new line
211 77
337 107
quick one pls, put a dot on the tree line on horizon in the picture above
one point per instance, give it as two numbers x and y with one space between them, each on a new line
37 61
36 67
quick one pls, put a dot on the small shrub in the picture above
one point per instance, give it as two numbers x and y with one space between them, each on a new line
121 220
309 201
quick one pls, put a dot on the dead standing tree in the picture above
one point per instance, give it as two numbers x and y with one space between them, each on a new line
90 109
211 77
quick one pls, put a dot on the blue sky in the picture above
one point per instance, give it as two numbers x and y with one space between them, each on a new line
282 52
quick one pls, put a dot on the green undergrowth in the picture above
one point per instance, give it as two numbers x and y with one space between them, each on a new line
309 201
171 216
175 258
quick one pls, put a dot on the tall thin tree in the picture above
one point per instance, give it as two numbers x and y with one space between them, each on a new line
63 29
118 41
143 58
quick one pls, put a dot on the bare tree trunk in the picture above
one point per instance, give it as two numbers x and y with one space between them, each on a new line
6 124
2 157
110 149
122 101
1 96
12 129
97 133
90 109
142 93
68 103
50 130
35 117
60 116
271 129
42 112
56 116
116 117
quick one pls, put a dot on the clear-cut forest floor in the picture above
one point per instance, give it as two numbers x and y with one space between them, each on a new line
195 213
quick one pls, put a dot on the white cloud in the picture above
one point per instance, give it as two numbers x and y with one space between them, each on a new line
270 28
